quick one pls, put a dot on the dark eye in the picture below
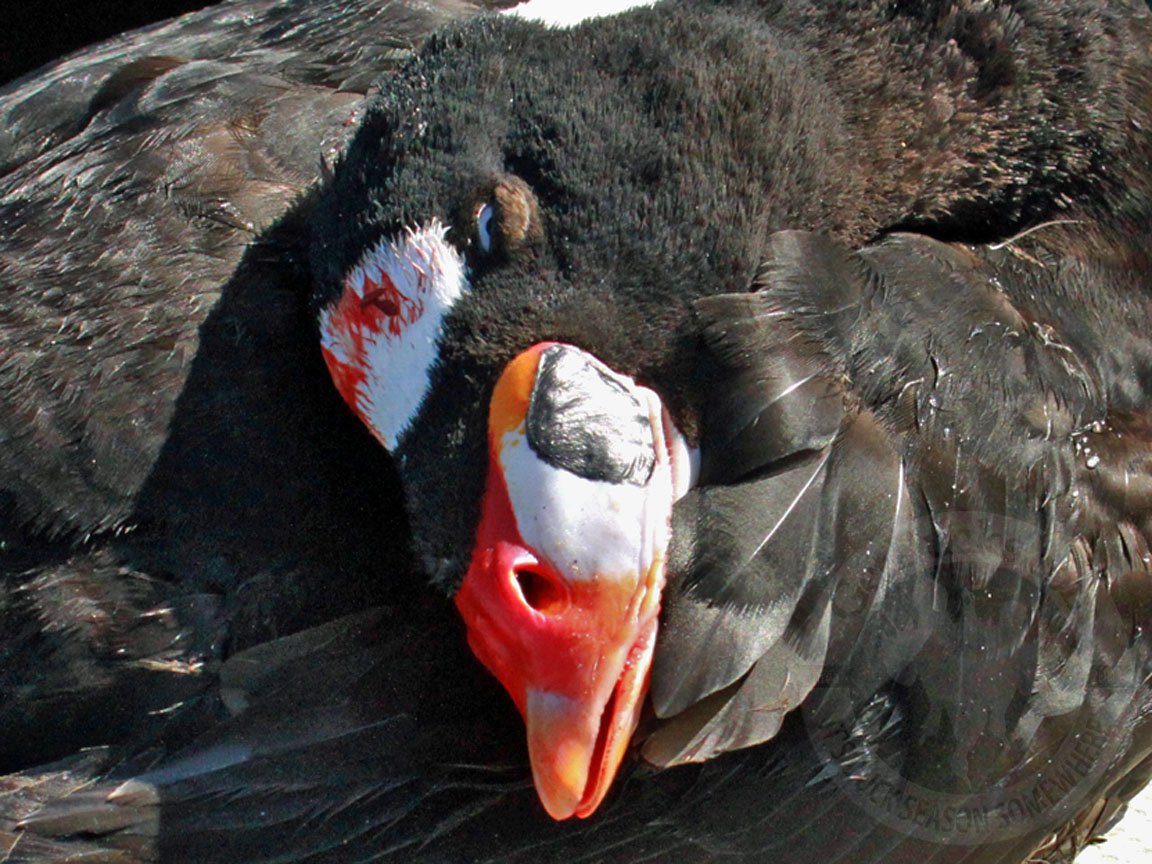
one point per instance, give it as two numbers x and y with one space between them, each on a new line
484 226
504 218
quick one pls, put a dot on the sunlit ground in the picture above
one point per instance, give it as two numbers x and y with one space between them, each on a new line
1130 842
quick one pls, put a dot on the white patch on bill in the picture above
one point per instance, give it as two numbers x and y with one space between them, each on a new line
396 352
566 13
592 529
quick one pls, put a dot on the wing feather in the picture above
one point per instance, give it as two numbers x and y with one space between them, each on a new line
956 549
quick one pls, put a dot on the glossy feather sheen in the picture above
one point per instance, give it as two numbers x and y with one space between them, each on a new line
875 543
159 368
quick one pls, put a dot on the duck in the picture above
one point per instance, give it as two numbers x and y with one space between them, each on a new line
770 412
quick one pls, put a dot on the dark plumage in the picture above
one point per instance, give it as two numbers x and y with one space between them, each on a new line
885 263
159 351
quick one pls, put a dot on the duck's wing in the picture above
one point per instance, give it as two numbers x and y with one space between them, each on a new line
929 477
157 354
136 176
373 738
331 44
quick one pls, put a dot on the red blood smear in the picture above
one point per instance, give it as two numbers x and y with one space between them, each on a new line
379 309
348 380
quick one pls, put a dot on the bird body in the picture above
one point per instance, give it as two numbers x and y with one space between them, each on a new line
875 278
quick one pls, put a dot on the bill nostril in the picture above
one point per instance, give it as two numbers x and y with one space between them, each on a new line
543 593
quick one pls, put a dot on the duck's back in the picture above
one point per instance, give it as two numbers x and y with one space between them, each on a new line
170 439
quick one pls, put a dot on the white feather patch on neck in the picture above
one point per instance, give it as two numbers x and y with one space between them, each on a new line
381 339
566 13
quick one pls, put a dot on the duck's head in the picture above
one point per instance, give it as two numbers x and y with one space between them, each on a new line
507 261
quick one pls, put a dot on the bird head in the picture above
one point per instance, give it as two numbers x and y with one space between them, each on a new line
507 260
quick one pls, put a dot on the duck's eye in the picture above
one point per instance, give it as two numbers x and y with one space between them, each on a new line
484 226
